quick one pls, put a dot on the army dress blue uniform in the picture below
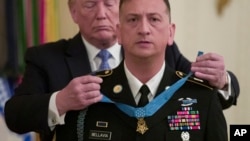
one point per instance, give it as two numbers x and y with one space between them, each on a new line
192 114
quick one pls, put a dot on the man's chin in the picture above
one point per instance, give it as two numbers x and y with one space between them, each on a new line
105 36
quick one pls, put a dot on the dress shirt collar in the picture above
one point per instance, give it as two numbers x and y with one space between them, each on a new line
152 84
92 51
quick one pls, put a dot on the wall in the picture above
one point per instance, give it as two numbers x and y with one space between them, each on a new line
67 26
199 27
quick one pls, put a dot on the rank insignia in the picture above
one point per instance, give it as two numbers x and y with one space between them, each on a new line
194 80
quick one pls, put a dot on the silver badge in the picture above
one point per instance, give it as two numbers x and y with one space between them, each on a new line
188 101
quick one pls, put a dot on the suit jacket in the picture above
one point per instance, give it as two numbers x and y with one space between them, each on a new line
49 68
178 62
104 121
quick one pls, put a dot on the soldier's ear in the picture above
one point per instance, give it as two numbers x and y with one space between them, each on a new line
118 33
171 34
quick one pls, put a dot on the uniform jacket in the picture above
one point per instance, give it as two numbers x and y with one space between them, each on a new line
49 68
203 114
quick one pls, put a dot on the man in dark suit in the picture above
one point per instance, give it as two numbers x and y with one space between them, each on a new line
54 87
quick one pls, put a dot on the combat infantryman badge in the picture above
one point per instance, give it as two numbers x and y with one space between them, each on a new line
141 126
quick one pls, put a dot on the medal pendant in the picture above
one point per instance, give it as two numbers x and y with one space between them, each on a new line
141 126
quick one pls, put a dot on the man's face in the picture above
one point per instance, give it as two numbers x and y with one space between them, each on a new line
97 19
145 28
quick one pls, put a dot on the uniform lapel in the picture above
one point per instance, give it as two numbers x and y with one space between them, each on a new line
168 79
118 78
116 87
77 58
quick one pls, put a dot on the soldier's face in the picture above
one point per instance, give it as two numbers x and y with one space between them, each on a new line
145 28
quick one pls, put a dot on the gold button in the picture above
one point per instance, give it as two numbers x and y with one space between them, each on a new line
117 89
54 121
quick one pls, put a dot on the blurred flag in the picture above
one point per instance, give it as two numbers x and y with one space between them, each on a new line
5 133
28 23
4 93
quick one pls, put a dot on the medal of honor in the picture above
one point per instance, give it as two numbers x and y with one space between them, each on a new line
141 126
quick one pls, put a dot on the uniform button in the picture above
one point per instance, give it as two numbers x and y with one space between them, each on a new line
54 121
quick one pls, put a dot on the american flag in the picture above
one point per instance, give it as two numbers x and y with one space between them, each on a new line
5 93
5 134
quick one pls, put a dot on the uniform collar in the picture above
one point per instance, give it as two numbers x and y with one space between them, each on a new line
152 84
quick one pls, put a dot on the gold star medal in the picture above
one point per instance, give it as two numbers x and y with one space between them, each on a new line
141 126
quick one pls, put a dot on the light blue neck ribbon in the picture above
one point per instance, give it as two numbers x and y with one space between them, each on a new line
153 106
148 110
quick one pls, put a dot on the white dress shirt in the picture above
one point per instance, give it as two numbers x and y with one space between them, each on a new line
152 84
226 93
95 62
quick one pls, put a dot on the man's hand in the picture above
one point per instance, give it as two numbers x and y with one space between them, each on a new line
79 94
211 67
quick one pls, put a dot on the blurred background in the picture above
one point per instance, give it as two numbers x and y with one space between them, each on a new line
220 26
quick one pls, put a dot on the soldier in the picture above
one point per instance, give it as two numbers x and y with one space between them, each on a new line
144 99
